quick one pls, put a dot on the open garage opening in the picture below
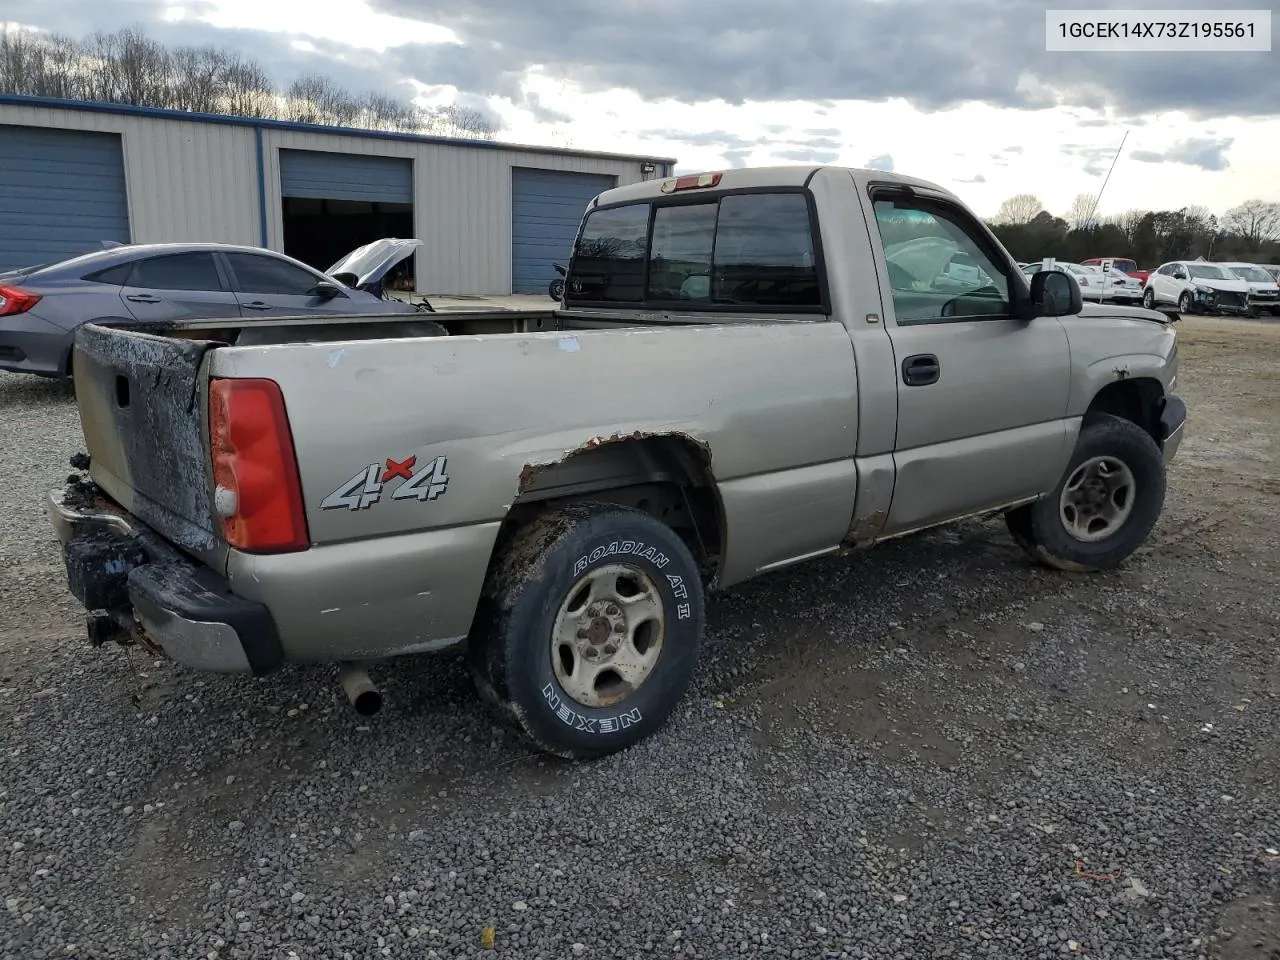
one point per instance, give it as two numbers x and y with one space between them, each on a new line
321 231
332 203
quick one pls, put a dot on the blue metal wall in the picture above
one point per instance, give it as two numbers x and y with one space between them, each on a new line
62 192
546 209
345 176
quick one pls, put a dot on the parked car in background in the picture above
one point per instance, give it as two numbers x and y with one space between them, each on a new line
41 306
1123 264
1272 268
1113 287
1195 286
1264 291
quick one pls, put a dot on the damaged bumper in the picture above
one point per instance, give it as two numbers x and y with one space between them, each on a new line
135 587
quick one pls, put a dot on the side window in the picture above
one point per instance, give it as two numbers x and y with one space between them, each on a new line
764 253
680 253
177 271
252 273
937 270
116 276
608 262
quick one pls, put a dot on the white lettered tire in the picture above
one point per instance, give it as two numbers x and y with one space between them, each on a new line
588 632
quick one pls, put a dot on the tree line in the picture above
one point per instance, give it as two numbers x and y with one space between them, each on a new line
1249 232
128 67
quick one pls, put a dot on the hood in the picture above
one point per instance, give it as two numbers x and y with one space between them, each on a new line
1226 286
1104 310
367 265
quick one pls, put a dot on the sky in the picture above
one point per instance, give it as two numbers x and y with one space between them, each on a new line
961 92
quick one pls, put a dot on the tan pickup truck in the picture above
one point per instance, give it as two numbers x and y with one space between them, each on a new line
749 369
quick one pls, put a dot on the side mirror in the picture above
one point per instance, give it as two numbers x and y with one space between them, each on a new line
325 290
1055 293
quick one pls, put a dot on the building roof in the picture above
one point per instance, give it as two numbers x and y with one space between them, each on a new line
129 110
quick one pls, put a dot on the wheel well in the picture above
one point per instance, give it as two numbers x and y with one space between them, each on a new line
1136 400
667 476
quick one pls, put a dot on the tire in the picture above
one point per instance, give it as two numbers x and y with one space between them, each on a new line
555 290
1041 528
1149 298
1184 302
539 580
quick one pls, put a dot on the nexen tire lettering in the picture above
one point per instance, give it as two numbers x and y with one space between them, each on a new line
634 548
588 724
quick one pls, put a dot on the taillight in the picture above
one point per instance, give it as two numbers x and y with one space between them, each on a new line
16 300
257 493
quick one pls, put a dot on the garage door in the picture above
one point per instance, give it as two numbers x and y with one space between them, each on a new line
345 176
546 208
61 193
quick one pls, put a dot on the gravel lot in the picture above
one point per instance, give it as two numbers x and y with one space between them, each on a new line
930 750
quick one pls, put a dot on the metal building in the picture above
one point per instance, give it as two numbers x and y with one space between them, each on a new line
492 216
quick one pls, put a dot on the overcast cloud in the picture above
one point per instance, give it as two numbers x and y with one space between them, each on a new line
935 55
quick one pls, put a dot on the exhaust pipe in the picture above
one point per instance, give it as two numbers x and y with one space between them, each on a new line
364 696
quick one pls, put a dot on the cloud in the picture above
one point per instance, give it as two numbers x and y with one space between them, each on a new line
1203 152
933 55
1096 159
882 162
808 156
976 178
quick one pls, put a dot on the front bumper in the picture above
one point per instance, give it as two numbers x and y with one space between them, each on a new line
136 587
1173 420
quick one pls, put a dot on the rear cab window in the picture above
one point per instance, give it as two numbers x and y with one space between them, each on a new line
722 252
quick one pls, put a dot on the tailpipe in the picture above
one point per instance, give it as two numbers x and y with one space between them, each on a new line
364 696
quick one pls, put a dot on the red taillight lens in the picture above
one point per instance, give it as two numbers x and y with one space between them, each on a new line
257 492
16 300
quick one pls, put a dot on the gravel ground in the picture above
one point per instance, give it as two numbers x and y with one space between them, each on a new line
931 750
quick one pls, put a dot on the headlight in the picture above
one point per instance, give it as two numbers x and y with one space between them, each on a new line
1201 288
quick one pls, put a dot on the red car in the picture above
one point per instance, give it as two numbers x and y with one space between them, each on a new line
1123 264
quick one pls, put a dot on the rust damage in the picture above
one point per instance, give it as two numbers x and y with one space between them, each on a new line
531 471
864 530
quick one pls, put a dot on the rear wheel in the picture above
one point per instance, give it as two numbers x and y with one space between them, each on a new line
588 631
1105 505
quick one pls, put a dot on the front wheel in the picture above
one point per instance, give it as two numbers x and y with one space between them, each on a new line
1149 298
588 630
1184 302
555 290
1104 507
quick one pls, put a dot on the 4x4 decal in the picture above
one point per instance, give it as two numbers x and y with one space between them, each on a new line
428 482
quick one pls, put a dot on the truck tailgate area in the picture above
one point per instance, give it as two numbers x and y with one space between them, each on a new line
140 409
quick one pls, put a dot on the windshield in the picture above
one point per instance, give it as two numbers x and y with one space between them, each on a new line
1253 274
1203 271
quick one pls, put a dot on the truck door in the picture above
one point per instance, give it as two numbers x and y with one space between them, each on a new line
982 394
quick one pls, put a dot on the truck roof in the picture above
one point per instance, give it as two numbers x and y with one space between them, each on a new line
746 178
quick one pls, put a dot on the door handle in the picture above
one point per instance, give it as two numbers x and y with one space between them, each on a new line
920 370
256 305
143 298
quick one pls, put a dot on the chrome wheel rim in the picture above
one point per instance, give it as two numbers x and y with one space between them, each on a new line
608 635
1097 499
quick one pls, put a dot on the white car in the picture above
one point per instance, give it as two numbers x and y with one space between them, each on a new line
1264 291
1195 286
1095 284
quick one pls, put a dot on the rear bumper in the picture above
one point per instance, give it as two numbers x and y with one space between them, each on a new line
30 345
135 586
1173 420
